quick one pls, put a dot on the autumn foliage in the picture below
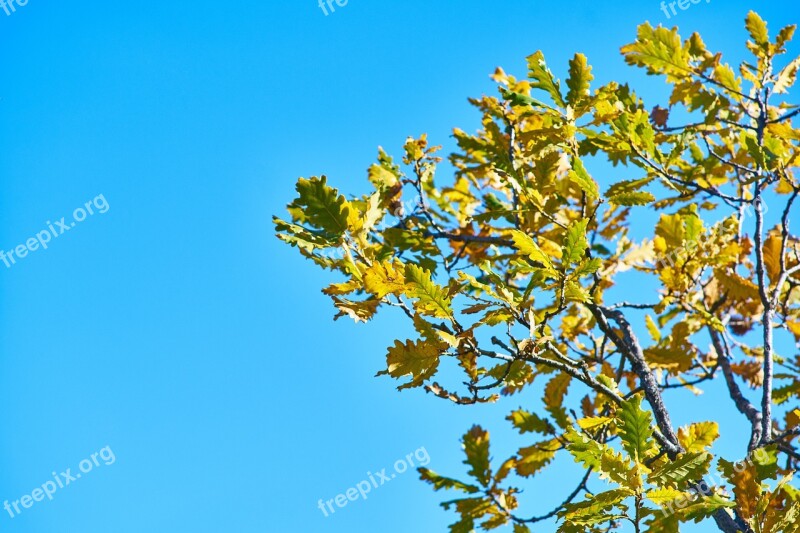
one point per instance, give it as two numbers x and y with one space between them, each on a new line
511 273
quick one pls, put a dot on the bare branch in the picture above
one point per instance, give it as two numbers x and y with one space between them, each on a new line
784 271
574 494
730 200
786 116
470 238
742 404
629 345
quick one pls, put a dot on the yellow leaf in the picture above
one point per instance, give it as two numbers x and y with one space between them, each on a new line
660 51
652 328
671 229
794 327
662 497
358 311
582 179
420 359
737 287
556 389
697 437
758 29
385 278
787 77
476 448
593 422
338 289
534 458
615 467
527 246
668 358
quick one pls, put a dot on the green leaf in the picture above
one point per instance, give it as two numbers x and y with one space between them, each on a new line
686 469
627 186
470 509
432 300
580 76
442 482
543 78
527 246
783 394
299 236
756 151
520 99
724 75
582 179
765 461
575 243
632 198
476 447
704 507
598 456
574 292
636 431
588 266
591 511
320 206
660 51
527 422
465 525
384 174
585 450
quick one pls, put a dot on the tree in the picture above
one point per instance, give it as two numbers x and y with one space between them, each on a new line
510 275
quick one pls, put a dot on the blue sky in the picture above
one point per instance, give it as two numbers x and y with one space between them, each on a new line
173 328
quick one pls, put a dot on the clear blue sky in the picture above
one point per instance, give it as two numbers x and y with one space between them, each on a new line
174 328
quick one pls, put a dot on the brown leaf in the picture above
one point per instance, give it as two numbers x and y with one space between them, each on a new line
747 490
659 116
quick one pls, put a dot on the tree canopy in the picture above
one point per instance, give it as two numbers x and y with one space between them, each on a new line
511 273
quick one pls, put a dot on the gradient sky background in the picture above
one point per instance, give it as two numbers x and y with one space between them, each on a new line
175 328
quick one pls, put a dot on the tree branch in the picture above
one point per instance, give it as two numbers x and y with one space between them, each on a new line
742 404
766 321
784 272
725 522
786 116
470 238
629 345
730 200
581 487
